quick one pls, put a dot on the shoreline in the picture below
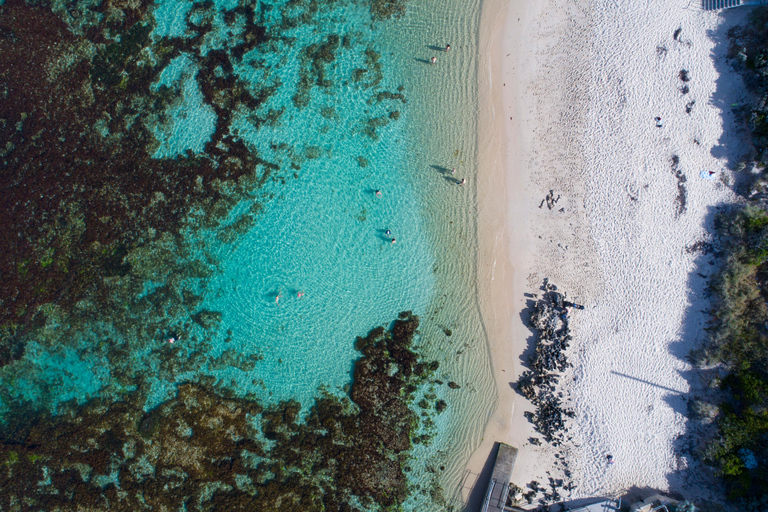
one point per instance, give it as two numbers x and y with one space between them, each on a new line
503 226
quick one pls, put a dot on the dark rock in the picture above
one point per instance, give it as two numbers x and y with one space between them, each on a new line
549 319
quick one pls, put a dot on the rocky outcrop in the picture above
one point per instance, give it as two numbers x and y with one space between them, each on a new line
549 320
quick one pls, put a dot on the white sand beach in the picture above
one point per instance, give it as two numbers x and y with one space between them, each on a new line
570 93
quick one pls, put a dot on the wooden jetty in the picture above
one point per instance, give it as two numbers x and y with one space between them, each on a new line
498 487
717 5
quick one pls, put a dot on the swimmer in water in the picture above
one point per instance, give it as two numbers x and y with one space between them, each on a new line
378 193
171 339
300 294
394 240
388 232
277 299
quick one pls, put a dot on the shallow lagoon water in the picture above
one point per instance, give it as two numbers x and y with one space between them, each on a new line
313 225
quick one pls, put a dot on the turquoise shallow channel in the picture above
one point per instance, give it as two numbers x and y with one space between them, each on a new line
244 268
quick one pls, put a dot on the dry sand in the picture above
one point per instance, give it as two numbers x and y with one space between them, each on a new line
569 93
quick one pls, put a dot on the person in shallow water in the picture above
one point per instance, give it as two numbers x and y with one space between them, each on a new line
433 60
447 47
378 193
300 294
388 232
277 298
394 240
463 181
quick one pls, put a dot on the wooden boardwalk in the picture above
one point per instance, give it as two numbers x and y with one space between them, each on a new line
498 487
717 5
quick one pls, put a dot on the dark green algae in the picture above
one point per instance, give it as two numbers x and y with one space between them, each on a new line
204 450
82 192
89 217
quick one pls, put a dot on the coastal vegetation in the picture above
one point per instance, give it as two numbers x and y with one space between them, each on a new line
739 326
739 341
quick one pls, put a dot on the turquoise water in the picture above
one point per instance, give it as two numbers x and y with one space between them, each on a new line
267 282
322 232
320 227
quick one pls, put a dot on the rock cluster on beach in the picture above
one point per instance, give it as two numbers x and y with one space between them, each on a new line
549 320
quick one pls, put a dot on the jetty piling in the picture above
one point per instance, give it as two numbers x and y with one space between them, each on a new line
498 487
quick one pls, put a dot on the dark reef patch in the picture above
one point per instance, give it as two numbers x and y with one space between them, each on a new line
80 185
205 451
82 191
97 263
89 215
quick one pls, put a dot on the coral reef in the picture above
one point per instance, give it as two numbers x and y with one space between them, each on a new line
101 256
205 451
81 104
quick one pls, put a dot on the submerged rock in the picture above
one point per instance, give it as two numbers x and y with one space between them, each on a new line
206 451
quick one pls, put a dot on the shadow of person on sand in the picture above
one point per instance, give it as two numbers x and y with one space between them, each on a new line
436 48
423 61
